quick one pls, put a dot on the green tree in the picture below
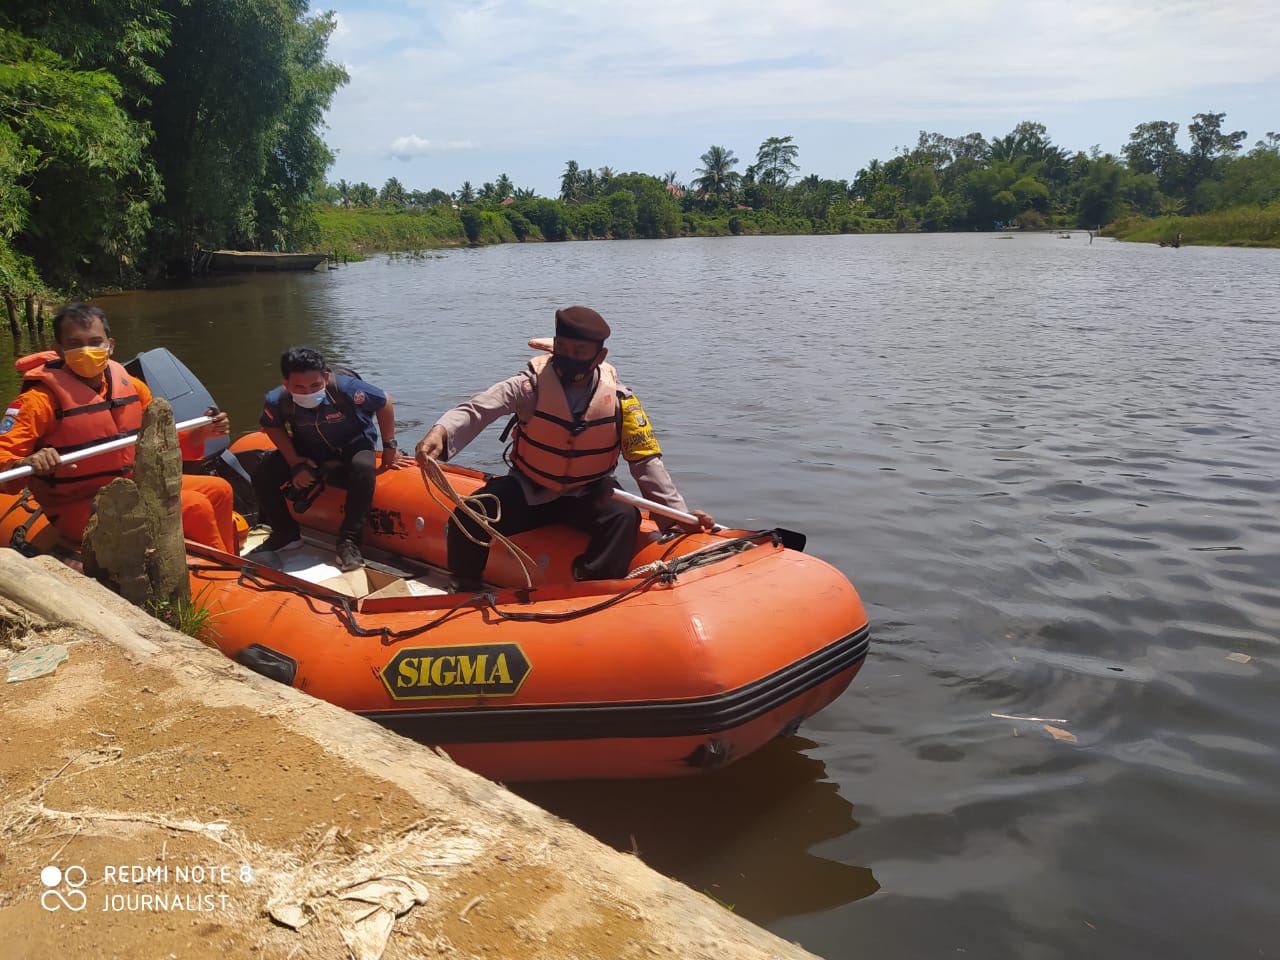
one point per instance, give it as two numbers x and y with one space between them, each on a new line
570 182
936 214
622 214
237 120
1102 194
472 222
520 225
297 156
393 195
1153 148
817 198
775 162
429 198
589 221
363 195
657 214
123 37
1210 148
548 216
75 188
1254 179
588 187
716 177
504 187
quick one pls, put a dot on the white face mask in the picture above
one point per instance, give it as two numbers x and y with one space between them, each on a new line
308 401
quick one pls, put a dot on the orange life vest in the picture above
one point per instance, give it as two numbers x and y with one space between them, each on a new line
85 418
558 452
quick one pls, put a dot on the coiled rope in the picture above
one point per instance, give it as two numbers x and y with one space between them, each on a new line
473 507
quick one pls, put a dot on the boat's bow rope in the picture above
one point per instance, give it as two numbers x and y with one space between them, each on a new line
473 507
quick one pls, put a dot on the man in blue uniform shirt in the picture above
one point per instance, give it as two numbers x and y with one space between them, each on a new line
323 426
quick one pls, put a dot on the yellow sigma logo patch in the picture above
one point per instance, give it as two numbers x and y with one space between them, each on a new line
479 670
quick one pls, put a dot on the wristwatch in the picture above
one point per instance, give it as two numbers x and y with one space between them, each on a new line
390 444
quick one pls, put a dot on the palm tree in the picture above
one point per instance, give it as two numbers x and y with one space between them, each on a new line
717 177
504 187
570 180
467 193
392 194
363 195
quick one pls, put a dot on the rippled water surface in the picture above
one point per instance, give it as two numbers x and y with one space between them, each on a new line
1051 467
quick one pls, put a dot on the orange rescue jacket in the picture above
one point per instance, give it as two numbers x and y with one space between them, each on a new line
85 418
558 452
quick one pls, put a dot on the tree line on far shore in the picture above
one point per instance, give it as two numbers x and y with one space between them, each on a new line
1021 179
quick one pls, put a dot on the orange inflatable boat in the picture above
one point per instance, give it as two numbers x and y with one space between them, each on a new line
714 645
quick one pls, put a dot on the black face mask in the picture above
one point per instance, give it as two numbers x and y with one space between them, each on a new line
570 370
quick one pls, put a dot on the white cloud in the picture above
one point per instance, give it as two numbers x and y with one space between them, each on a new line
520 75
406 148
403 148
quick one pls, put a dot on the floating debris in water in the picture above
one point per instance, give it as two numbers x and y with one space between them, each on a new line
1059 734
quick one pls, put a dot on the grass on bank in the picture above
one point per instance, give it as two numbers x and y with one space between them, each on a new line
192 617
350 232
370 229
1238 227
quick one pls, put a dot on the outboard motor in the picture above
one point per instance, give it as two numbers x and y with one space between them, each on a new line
169 377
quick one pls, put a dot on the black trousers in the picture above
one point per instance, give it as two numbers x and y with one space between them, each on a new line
355 475
611 526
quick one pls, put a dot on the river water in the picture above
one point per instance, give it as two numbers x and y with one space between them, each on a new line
1052 469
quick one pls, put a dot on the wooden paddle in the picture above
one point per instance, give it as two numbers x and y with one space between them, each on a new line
17 472
790 539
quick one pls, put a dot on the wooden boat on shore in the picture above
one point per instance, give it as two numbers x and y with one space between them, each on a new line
713 645
244 261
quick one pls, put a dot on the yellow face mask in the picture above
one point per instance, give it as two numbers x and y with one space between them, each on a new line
87 362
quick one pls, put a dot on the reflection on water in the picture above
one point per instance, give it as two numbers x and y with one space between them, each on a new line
752 837
1051 469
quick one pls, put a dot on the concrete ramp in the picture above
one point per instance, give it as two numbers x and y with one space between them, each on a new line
159 800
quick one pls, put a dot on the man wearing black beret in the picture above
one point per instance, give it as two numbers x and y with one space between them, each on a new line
572 421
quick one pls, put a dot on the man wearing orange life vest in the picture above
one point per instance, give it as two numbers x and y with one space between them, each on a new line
573 421
79 397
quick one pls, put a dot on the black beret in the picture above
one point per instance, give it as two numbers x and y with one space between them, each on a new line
581 323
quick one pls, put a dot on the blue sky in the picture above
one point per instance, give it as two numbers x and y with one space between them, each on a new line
444 91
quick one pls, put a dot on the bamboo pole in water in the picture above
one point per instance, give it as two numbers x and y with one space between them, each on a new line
12 307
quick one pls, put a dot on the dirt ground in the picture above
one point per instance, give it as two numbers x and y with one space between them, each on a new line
195 809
